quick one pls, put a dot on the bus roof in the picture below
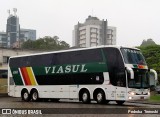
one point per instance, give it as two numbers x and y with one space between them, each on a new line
70 50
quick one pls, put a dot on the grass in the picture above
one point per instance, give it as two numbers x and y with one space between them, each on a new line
154 98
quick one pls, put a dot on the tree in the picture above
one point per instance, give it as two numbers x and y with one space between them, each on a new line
46 43
152 56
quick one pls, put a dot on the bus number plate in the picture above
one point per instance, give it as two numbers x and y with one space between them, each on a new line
142 98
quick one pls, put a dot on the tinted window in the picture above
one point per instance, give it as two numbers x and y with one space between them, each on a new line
132 56
37 60
115 66
14 62
83 56
75 57
68 79
41 60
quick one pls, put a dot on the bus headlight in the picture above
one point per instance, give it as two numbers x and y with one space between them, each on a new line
132 93
148 93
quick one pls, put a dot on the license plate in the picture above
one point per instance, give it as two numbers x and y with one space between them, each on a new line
142 98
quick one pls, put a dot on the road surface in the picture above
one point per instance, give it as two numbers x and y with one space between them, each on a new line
67 108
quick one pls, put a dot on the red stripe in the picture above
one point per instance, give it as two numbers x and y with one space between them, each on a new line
140 66
25 76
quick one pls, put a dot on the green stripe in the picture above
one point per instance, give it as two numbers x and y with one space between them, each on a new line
90 67
135 66
16 76
60 69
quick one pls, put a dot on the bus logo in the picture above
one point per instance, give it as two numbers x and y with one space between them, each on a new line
15 72
66 69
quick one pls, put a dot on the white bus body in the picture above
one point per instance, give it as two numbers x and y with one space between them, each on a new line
108 76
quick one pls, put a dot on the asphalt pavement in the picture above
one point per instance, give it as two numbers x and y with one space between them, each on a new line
136 101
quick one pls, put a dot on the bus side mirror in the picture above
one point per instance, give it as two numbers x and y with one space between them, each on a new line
152 77
130 70
154 72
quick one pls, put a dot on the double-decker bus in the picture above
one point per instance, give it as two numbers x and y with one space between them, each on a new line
103 74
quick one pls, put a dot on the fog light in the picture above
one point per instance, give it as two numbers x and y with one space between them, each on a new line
130 98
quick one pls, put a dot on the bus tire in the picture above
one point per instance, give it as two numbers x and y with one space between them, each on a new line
85 97
34 95
25 95
100 97
120 102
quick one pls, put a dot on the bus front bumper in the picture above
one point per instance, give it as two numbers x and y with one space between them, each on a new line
138 97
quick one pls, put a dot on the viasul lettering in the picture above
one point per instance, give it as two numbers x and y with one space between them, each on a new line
66 69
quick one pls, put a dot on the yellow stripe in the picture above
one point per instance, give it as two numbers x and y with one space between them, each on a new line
31 76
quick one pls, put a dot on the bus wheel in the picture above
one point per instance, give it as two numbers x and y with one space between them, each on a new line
100 97
25 96
85 97
34 95
120 102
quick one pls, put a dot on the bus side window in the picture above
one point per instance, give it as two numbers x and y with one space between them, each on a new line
24 62
77 57
115 67
15 62
121 76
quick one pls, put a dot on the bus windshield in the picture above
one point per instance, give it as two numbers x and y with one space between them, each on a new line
141 79
132 56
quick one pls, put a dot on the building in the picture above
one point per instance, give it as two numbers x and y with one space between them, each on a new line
12 29
111 34
26 34
3 39
93 32
14 36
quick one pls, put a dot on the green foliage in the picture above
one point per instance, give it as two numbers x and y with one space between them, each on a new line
152 56
46 43
155 98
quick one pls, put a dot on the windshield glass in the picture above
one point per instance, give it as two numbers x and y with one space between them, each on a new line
132 56
141 79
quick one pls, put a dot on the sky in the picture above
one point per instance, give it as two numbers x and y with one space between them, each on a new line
135 20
